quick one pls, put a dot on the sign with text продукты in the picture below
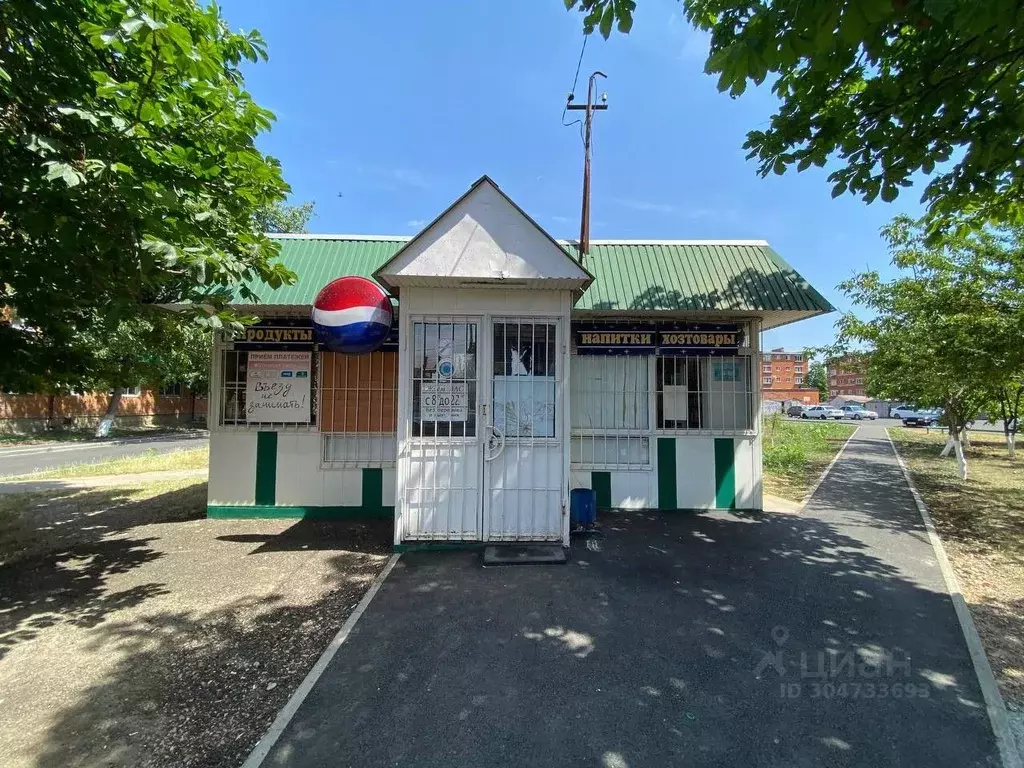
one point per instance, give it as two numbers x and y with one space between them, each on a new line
277 388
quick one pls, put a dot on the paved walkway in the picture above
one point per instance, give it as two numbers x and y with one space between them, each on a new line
825 638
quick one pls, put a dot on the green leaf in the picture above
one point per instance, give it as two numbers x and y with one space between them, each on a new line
838 189
607 19
131 26
4 75
71 177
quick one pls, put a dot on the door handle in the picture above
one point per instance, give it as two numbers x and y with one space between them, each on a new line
495 444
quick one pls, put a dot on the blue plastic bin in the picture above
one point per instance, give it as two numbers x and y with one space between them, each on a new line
583 506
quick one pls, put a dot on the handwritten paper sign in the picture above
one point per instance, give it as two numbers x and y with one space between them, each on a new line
277 387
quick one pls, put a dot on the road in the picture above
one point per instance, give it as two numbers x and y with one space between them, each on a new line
979 426
20 460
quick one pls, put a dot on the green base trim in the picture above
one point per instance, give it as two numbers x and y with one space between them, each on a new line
440 546
666 473
725 473
257 511
266 469
373 488
601 482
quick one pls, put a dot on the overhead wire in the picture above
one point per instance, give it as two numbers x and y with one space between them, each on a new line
575 80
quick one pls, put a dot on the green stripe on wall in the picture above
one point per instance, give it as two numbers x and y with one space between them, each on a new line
373 488
601 482
666 473
252 511
266 468
725 473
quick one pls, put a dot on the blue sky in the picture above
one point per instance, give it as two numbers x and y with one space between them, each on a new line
388 111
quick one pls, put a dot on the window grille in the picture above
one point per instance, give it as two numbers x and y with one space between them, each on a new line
444 379
704 394
766 380
359 408
610 411
234 367
524 368
172 390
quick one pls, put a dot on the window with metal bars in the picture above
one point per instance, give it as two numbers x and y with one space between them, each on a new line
234 367
359 408
524 368
610 411
704 394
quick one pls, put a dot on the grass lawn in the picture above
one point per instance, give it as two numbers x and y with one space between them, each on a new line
150 461
981 523
83 435
796 452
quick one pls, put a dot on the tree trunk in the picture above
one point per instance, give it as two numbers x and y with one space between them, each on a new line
1011 444
192 406
103 428
50 411
961 459
949 444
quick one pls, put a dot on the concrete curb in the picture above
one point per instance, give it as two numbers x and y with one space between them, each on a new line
994 704
284 717
823 475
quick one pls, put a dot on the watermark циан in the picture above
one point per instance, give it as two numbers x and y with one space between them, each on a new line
830 673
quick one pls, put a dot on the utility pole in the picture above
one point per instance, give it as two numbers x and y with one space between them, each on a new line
590 107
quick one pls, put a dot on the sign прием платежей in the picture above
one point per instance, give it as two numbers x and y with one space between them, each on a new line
277 387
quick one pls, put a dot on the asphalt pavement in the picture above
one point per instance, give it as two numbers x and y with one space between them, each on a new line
20 460
716 639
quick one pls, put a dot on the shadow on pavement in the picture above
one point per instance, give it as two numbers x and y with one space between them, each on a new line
60 552
327 535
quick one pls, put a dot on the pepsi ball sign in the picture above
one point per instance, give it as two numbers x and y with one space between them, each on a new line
352 315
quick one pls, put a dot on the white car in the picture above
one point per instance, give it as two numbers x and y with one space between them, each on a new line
858 412
899 411
822 412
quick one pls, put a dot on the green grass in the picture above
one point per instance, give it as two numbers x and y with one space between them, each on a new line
82 435
796 452
981 523
150 461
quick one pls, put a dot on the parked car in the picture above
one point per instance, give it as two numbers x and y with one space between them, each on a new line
822 412
897 411
858 412
796 411
922 418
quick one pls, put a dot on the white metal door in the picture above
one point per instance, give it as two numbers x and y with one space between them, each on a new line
441 469
524 446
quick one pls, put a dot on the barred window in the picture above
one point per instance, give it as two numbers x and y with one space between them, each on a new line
609 404
359 408
704 393
234 367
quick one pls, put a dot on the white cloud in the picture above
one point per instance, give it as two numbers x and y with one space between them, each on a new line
416 223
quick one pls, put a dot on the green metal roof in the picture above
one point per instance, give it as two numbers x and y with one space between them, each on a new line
638 276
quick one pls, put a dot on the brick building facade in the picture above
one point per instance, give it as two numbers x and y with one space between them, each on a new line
846 376
782 377
174 406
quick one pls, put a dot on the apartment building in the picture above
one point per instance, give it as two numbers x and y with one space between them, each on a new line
782 377
846 376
